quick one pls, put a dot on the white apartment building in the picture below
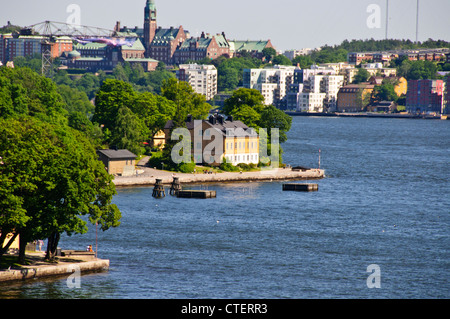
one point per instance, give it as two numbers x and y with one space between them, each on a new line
202 78
320 92
273 83
292 54
310 102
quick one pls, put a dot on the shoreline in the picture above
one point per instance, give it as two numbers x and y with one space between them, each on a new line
65 267
367 115
148 178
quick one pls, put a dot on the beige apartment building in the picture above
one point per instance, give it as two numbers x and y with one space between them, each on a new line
202 78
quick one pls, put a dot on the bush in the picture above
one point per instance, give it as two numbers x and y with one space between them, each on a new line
155 160
186 167
228 167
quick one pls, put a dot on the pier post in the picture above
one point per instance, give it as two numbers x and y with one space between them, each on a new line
158 190
175 187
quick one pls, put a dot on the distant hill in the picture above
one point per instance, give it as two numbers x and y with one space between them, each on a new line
9 28
338 53
390 44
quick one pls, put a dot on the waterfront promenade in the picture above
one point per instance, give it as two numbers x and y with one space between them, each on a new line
148 176
38 268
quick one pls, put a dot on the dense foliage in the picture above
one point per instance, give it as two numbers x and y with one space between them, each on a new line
50 175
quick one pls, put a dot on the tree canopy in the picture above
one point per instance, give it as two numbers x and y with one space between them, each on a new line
50 175
130 118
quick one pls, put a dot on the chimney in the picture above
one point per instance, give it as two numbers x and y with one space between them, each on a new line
220 119
189 118
212 119
230 118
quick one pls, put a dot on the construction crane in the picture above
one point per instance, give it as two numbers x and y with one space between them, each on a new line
50 30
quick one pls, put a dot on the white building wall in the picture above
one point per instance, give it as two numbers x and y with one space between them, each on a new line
202 78
311 102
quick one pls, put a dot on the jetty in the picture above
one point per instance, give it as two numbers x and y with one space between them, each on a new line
66 264
196 194
148 177
301 187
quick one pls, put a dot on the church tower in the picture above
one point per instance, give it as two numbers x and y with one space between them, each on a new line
149 24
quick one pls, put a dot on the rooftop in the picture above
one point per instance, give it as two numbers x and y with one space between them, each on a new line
117 154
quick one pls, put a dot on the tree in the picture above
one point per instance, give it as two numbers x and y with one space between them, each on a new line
245 105
244 97
129 131
385 92
269 53
304 61
281 60
34 62
361 76
271 117
154 110
230 71
50 177
186 101
24 92
76 100
113 95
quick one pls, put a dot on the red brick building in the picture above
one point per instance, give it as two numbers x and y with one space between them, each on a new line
206 46
425 96
160 44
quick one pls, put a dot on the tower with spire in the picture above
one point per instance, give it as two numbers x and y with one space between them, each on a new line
149 24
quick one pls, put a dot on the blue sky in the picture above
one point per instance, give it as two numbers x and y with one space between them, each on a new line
290 24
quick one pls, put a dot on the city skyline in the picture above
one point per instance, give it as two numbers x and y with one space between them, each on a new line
288 24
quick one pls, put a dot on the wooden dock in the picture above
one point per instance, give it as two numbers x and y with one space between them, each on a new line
196 194
300 187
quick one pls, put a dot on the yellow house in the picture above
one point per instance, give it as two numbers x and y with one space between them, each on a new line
237 143
401 87
159 139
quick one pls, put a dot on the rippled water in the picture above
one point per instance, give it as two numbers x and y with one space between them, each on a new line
385 202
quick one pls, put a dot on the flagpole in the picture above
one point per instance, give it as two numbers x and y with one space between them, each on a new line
319 157
96 239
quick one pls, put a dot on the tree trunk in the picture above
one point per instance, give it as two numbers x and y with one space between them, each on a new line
22 246
52 245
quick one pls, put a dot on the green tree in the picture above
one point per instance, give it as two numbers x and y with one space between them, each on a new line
75 100
230 71
281 60
269 54
385 92
113 95
246 105
154 110
24 92
271 117
186 100
361 76
51 177
244 96
129 131
304 61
